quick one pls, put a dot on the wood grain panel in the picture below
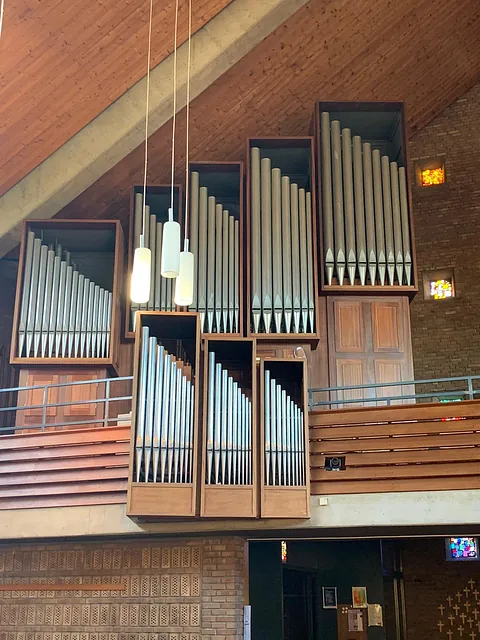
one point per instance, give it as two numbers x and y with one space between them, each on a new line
81 393
65 61
388 371
386 317
48 475
351 373
372 50
397 449
349 327
37 396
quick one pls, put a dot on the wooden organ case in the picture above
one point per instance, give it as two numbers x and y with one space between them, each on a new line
66 325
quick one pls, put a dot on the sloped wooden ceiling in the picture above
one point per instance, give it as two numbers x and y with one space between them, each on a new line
427 53
65 61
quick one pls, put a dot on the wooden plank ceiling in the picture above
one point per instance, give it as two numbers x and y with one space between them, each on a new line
65 61
425 53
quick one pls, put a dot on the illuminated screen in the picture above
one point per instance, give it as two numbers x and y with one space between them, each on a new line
462 548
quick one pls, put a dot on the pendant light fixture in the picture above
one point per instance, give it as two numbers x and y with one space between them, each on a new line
184 282
142 260
170 266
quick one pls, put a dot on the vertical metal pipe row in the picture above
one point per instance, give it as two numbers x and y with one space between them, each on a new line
164 415
227 437
365 211
284 442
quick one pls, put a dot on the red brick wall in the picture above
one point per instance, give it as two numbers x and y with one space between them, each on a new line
174 590
429 581
446 334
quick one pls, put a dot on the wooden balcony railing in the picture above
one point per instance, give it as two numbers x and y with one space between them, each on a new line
403 448
64 468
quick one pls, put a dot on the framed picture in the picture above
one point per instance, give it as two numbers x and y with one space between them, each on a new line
329 595
359 597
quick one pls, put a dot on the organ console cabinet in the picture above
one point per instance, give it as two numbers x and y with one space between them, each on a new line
165 412
365 208
229 435
158 201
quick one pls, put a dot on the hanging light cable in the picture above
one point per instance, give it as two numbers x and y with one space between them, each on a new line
184 282
142 260
2 6
171 229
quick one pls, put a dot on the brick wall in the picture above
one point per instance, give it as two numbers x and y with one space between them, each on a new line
446 334
173 590
429 583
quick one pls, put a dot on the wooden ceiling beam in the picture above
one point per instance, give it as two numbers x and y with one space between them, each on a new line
118 130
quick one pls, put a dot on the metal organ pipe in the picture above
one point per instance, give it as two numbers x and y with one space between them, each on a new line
387 212
339 221
397 223
369 211
405 224
359 209
327 202
379 220
348 204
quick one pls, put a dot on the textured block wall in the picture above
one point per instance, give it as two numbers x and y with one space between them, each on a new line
173 590
446 333
442 598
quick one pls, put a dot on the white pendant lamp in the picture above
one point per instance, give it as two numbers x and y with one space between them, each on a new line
142 260
141 275
170 267
184 282
171 247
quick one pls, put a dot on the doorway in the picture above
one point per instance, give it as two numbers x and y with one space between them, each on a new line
298 604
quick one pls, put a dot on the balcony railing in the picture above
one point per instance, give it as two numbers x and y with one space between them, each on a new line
405 447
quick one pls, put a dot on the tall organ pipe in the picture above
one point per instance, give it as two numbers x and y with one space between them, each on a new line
202 255
348 204
218 265
397 222
277 249
302 215
310 288
339 227
287 254
405 224
359 209
379 219
295 257
387 212
327 204
194 203
369 211
211 263
266 216
256 277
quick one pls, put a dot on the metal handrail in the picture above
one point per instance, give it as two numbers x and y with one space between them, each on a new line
469 392
106 401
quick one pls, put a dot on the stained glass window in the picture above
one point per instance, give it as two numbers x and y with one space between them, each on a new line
284 551
433 176
441 289
463 547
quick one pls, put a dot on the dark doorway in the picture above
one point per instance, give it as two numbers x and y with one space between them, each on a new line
298 604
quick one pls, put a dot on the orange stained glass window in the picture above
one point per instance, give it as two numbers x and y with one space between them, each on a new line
433 176
441 289
284 551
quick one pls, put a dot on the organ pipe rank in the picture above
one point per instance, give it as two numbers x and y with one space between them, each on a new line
215 243
162 290
164 415
284 437
229 429
63 314
365 211
282 278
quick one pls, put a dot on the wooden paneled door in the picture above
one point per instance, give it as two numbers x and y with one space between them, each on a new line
57 417
369 343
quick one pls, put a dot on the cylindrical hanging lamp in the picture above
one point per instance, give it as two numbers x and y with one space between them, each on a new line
184 282
141 274
171 247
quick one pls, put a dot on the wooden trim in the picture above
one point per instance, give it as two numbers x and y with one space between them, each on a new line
436 427
396 485
31 586
371 458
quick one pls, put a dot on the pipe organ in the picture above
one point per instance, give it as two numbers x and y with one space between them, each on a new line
163 471
157 203
216 234
68 293
367 223
281 232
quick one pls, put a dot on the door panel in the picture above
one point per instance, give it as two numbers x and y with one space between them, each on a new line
386 323
350 327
